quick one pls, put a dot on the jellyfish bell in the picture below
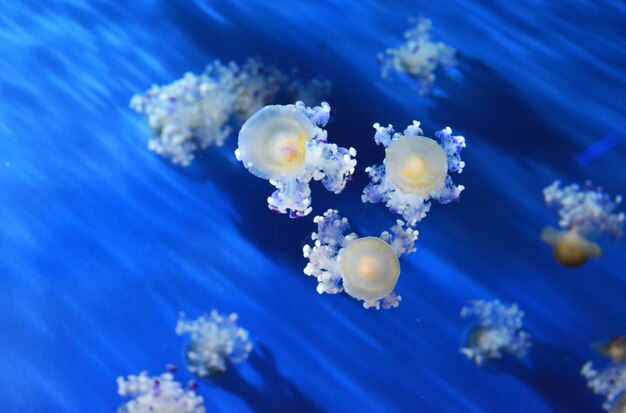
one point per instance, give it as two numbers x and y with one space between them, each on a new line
569 247
416 165
614 349
369 268
420 58
272 143
489 340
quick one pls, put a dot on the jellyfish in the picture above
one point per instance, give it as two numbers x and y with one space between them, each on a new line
415 170
614 349
418 57
610 383
216 342
365 268
159 394
585 213
498 331
287 146
198 111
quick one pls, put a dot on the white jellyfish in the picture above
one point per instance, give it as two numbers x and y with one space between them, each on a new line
498 331
160 394
418 57
366 268
198 111
415 170
287 146
585 213
610 383
216 341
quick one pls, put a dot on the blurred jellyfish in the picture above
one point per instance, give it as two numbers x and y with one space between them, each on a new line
159 394
498 331
610 383
418 57
216 341
415 170
614 349
197 111
366 268
287 146
585 213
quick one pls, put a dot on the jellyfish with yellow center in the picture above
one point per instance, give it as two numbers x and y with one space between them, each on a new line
418 57
417 166
287 146
365 268
584 213
570 248
272 143
415 170
369 269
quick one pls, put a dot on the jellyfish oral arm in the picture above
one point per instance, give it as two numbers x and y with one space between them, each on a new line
610 383
589 211
329 239
401 239
157 394
291 196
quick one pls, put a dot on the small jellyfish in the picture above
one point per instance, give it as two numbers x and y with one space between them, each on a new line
498 331
614 349
287 146
415 170
610 383
160 394
585 213
418 57
216 341
365 268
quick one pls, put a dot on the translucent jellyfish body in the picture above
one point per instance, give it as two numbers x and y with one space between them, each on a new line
585 213
418 57
366 268
197 111
287 146
497 332
415 170
610 383
160 394
216 341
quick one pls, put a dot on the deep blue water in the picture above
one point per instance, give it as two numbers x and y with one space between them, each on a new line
102 242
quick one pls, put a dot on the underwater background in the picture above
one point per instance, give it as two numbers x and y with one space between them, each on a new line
102 242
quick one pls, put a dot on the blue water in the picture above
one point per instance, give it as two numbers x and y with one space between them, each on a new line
102 242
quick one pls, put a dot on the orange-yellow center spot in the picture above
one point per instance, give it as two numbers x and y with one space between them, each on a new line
292 150
369 268
414 168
